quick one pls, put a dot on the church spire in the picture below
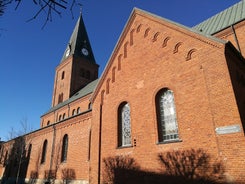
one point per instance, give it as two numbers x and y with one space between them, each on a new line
79 45
77 67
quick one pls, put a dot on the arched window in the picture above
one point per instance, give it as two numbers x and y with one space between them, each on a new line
60 117
90 105
64 116
44 151
124 125
73 112
48 123
166 116
78 110
64 148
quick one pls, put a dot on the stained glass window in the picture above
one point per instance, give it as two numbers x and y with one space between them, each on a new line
167 122
124 126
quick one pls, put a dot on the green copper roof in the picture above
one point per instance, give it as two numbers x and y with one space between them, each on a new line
224 19
78 41
83 92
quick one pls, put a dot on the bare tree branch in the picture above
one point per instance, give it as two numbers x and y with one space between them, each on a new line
25 128
48 7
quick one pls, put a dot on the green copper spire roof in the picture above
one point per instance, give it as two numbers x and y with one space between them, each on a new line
224 19
79 44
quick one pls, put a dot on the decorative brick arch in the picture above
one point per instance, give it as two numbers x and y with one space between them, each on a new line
165 41
138 28
189 54
119 60
155 37
132 37
147 32
125 51
108 86
113 74
176 47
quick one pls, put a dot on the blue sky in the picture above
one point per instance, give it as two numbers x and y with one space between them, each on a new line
30 54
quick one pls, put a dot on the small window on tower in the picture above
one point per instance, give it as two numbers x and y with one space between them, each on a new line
63 75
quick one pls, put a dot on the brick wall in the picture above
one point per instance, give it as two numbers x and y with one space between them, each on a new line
152 55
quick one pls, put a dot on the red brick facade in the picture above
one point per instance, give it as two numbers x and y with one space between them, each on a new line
206 76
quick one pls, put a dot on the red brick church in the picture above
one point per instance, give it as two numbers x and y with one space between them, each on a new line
169 107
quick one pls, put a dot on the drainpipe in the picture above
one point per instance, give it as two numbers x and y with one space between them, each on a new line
235 36
99 155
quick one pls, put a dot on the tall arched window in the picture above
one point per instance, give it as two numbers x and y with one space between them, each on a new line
124 125
44 151
64 148
166 116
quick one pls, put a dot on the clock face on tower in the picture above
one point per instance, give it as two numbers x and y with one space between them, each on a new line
84 51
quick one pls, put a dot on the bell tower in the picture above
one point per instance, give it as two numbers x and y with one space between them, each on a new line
77 67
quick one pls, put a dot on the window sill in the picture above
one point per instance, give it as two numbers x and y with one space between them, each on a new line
127 146
170 141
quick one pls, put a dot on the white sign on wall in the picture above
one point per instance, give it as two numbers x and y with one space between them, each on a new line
228 129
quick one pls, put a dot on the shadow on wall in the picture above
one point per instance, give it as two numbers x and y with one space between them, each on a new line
16 161
187 166
67 175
